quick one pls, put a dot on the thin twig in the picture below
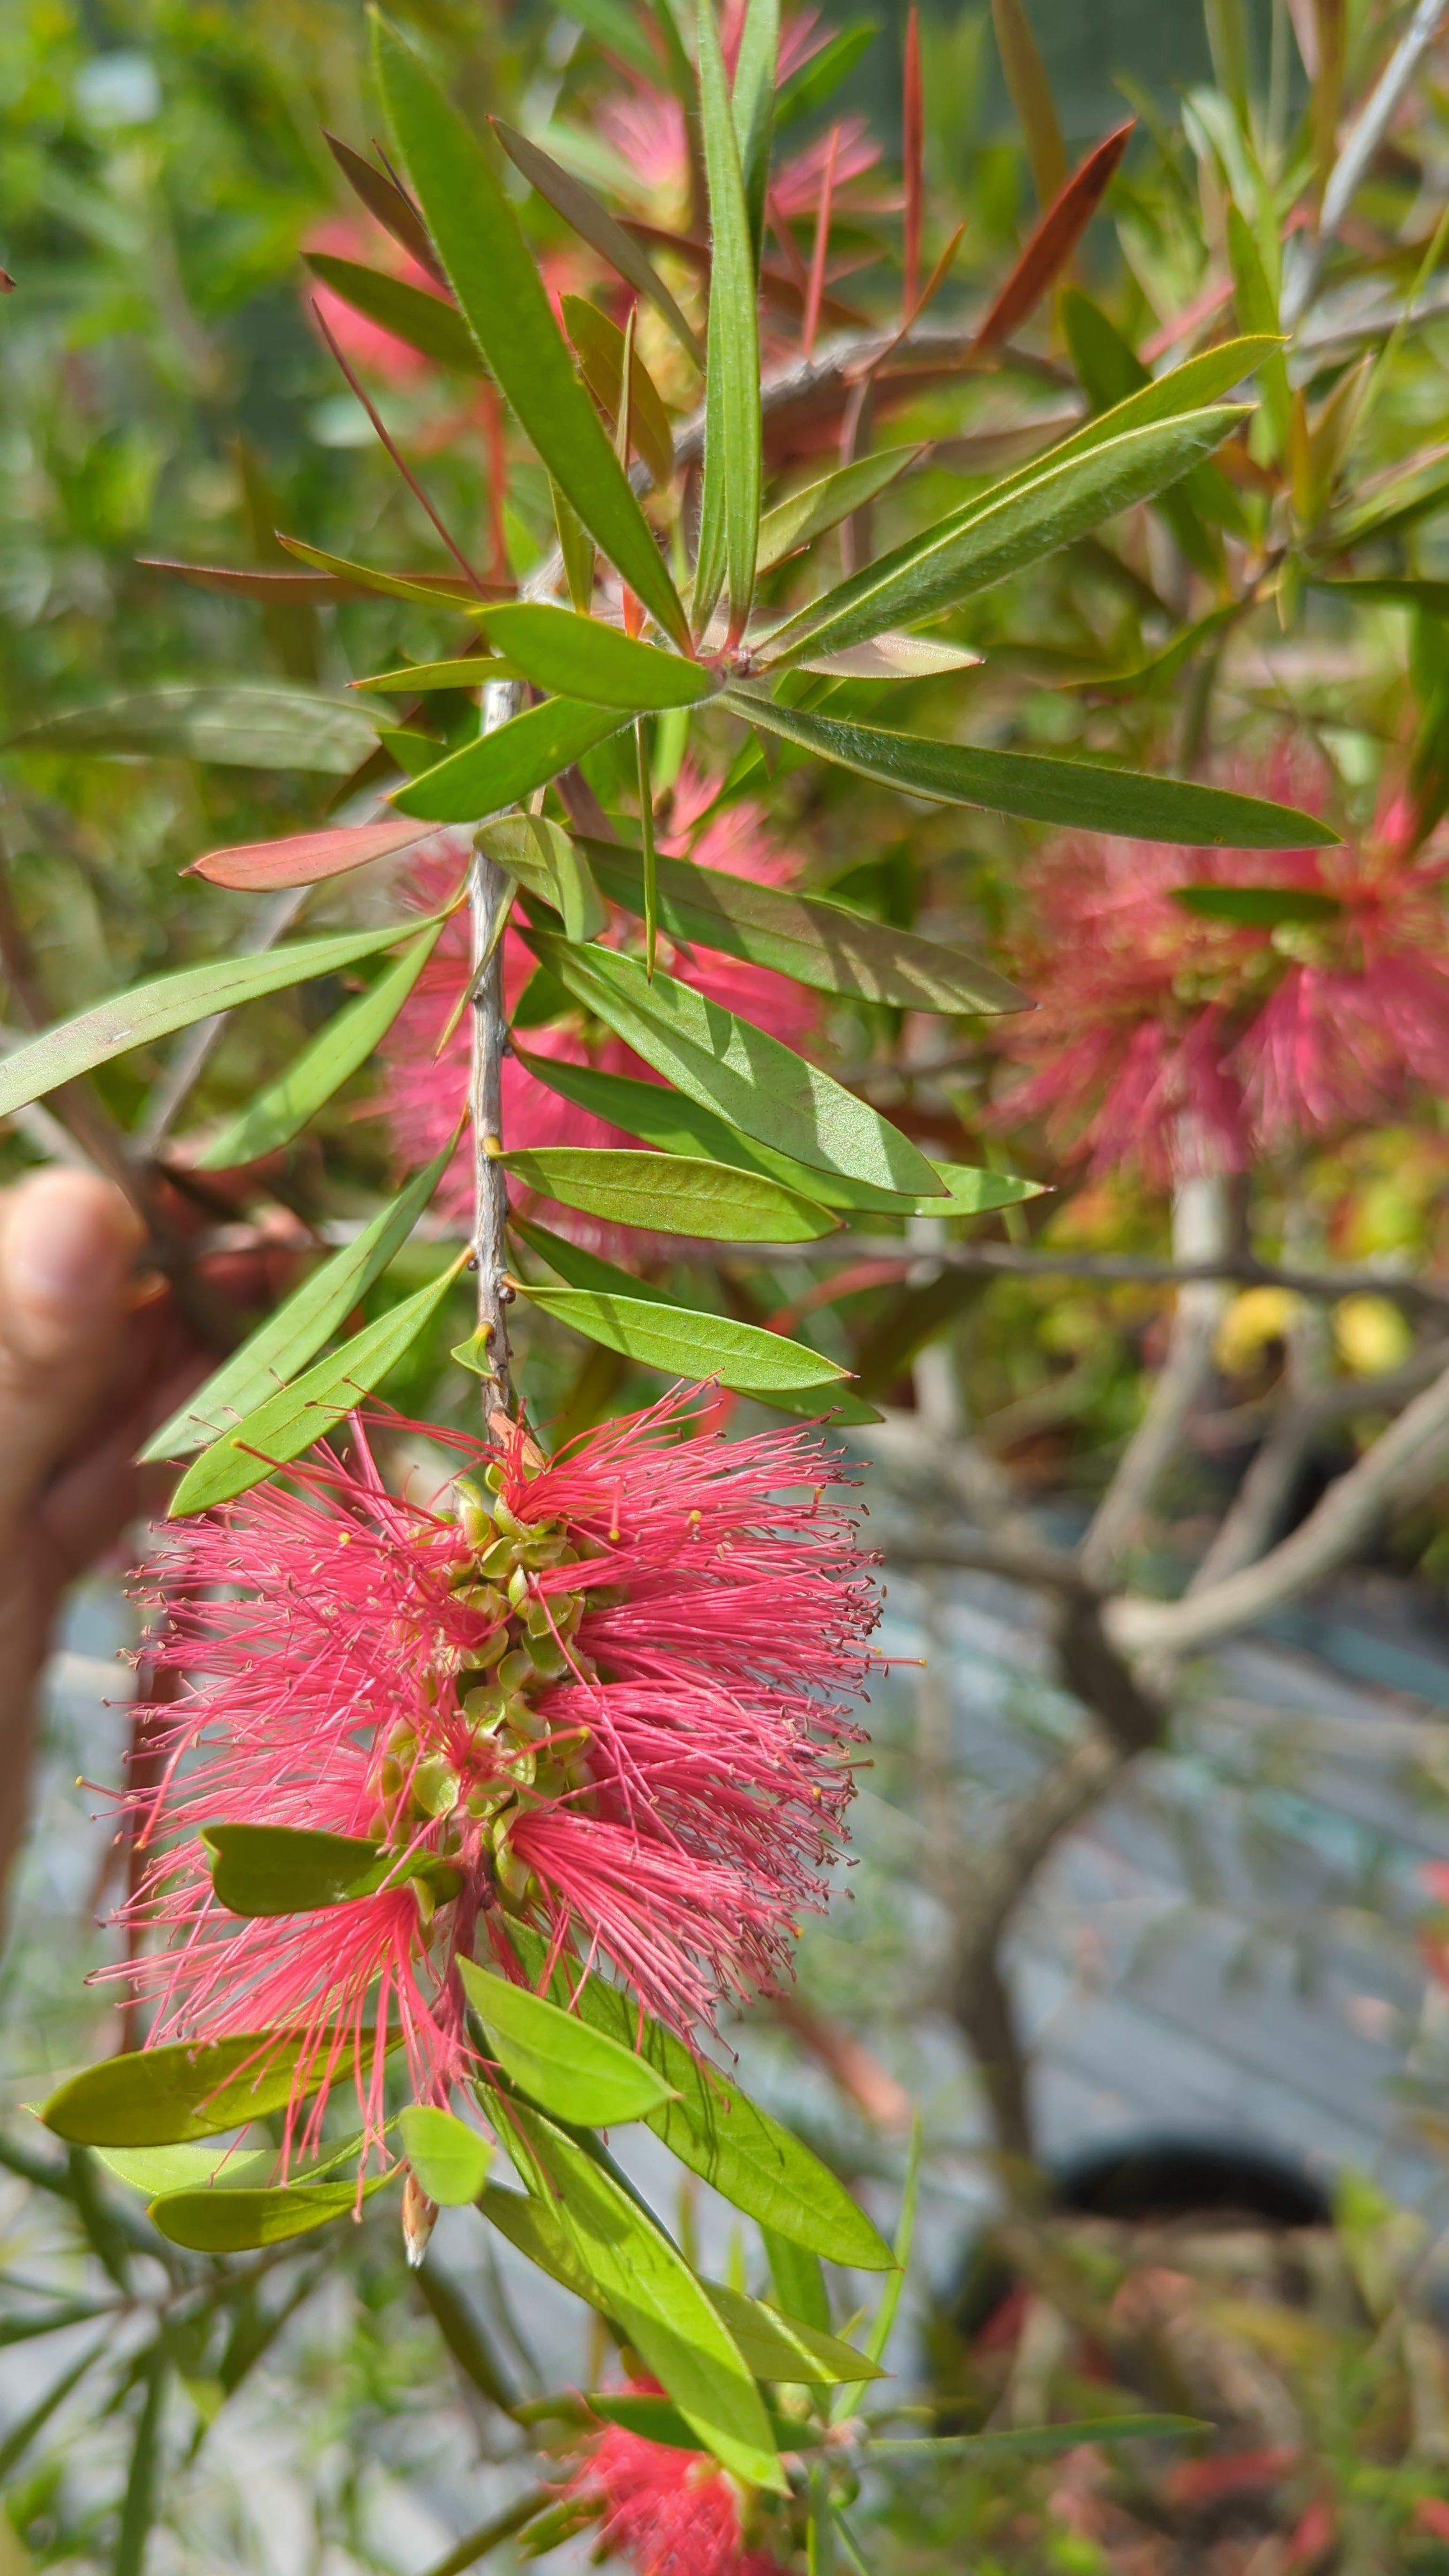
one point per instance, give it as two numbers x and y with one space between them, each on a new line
501 702
475 579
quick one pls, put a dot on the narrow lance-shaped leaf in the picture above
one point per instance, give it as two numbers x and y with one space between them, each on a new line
262 1871
442 589
730 502
391 205
296 1332
945 565
669 1194
599 345
1257 305
651 2290
821 506
580 208
283 1109
290 1421
171 1002
1052 243
138 2505
424 322
731 1066
582 658
419 679
805 936
304 858
684 1343
676 1125
720 2134
497 284
558 2059
502 767
551 865
1030 94
238 724
753 107
1042 790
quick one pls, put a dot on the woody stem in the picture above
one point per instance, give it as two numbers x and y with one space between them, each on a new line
490 1032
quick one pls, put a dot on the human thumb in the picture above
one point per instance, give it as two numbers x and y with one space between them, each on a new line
68 1241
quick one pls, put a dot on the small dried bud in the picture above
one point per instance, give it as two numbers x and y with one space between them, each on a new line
419 2218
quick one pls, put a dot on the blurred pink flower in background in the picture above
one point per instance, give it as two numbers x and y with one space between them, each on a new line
1169 1040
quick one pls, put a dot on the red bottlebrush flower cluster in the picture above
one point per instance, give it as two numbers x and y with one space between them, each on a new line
605 1693
425 1092
1174 1041
668 2512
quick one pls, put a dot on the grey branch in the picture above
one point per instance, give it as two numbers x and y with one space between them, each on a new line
486 890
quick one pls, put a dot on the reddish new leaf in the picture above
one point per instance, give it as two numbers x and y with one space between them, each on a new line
1053 242
392 206
303 858
777 286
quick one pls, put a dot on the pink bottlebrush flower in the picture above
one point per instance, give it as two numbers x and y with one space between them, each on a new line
668 2512
1175 1041
612 1703
425 1092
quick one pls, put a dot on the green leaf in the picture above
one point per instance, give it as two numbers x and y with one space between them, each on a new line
721 2135
599 344
675 1125
276 1869
645 2283
1260 907
138 2505
1095 799
290 1421
730 1066
449 2158
580 657
1392 589
502 767
821 506
1040 2441
752 105
238 724
504 301
948 562
280 1112
558 2059
1030 93
582 1269
161 2097
684 1343
670 1195
803 936
729 522
547 863
1257 307
438 589
238 2222
799 2281
418 679
582 210
289 1338
159 2171
423 321
156 1010
780 2347
817 80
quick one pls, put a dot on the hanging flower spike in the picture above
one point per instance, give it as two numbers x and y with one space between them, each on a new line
668 2512
605 1693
